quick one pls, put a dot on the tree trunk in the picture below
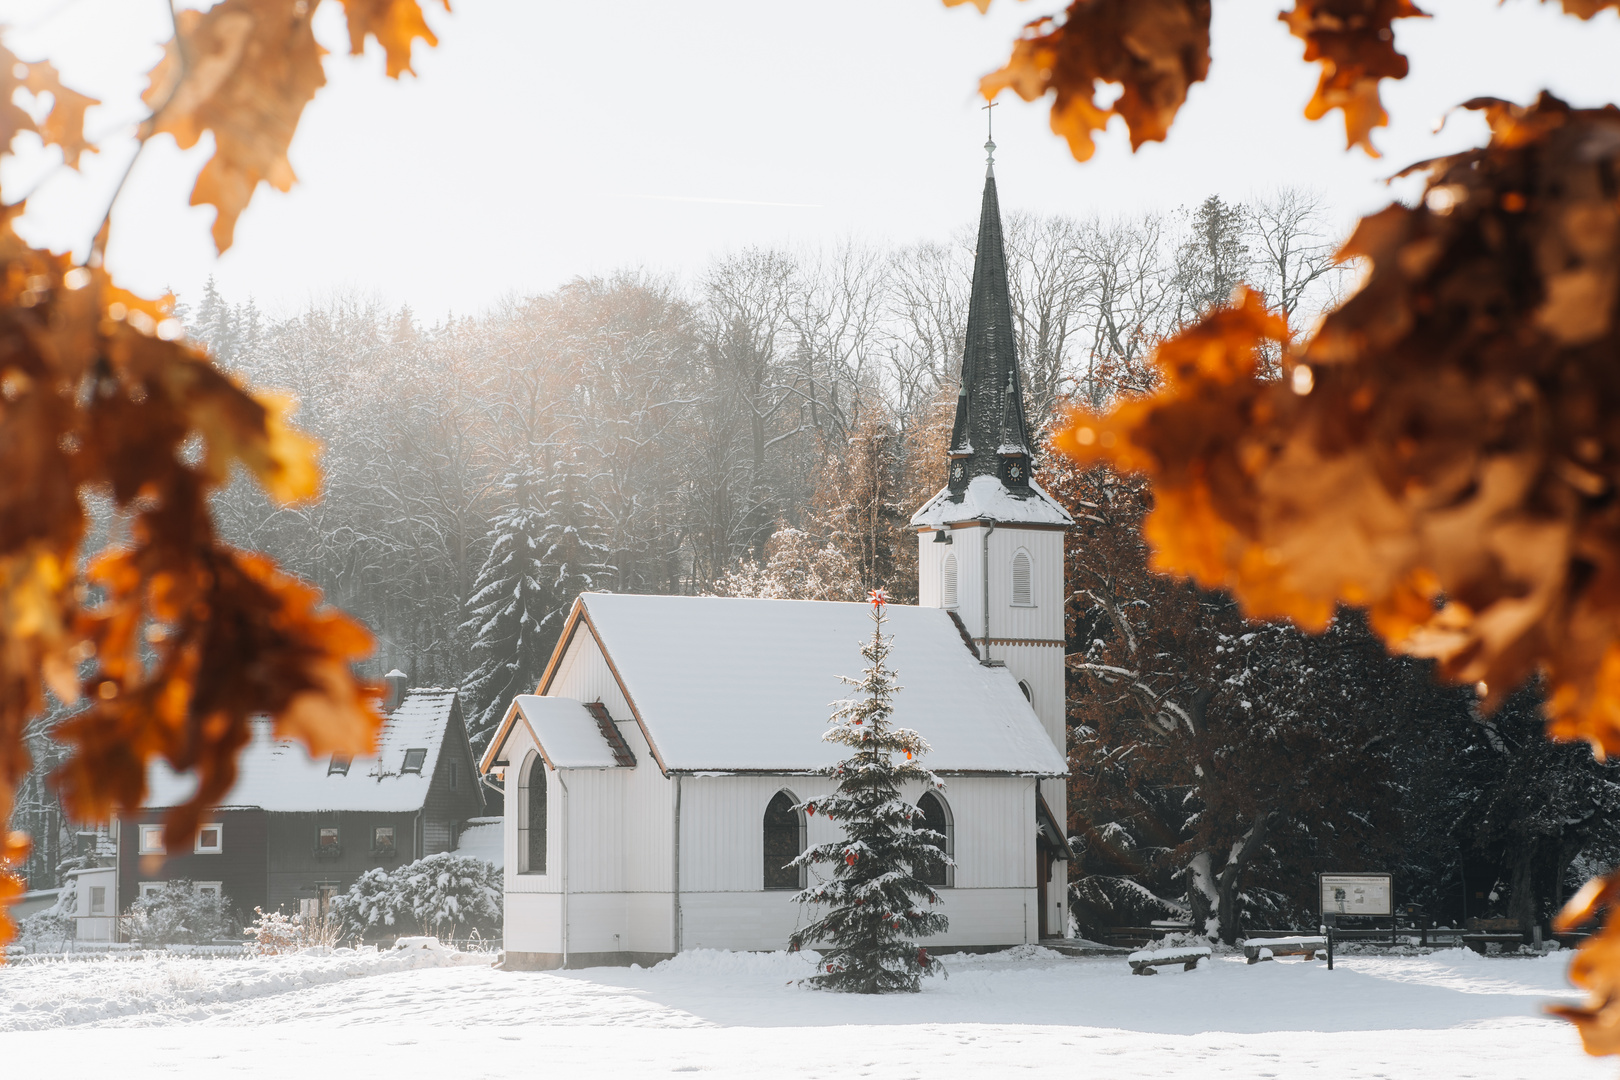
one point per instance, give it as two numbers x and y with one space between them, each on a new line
1522 903
1203 897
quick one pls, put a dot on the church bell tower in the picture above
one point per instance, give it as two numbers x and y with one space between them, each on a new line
991 541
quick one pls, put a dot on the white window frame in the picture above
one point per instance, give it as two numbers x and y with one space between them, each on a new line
218 847
91 900
200 887
149 888
148 845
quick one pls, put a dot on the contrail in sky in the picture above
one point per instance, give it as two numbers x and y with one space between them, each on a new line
727 202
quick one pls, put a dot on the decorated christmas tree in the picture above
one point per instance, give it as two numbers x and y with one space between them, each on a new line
877 906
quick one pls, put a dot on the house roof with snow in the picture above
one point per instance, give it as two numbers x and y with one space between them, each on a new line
279 775
723 684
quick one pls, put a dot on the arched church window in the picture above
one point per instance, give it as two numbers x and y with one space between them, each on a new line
1029 695
1023 592
532 816
784 841
937 818
947 584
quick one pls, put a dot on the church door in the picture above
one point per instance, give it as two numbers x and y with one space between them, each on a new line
1043 877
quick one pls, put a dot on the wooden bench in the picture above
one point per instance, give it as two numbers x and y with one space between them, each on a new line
1482 933
1260 949
1145 961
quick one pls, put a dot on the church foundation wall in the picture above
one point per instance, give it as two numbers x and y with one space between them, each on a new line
544 961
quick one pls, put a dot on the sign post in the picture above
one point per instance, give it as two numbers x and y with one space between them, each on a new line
1365 895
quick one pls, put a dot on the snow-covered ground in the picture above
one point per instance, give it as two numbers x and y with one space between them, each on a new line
1030 1013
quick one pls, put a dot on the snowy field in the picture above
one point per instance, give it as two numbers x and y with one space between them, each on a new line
1447 1014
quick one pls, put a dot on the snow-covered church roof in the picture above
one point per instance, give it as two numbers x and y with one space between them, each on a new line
280 776
721 684
987 498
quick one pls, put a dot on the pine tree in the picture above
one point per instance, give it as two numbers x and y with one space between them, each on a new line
875 895
571 555
509 607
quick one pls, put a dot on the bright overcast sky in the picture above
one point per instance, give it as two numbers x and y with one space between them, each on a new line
547 139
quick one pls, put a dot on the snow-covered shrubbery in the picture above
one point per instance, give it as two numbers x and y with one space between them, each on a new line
273 933
179 915
46 929
446 894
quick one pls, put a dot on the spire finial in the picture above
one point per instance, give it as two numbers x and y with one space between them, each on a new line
990 139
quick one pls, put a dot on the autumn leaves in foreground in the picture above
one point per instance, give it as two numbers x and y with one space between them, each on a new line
1443 451
172 638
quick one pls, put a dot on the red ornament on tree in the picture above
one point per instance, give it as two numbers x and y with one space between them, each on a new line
922 957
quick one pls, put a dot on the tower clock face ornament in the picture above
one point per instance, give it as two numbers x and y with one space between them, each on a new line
956 471
1016 470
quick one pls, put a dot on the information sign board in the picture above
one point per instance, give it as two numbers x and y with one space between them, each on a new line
1357 894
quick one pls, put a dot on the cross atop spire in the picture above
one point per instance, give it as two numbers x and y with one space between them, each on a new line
990 437
990 139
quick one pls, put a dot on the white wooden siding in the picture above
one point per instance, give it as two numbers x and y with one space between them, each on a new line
619 847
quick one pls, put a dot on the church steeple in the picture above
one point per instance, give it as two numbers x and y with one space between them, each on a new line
990 437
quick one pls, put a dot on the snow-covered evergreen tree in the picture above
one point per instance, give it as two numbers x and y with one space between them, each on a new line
878 905
509 608
543 553
570 551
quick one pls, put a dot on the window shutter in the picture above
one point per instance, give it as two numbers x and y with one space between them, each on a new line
947 589
1022 591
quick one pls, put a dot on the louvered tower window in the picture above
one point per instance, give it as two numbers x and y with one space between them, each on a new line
1023 593
947 585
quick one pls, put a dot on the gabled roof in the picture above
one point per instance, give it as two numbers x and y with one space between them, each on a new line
569 733
721 684
280 776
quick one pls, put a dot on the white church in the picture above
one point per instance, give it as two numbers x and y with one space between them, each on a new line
651 778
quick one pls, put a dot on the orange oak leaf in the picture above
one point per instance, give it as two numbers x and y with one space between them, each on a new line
1153 49
63 126
396 24
1443 435
1586 9
1596 968
1354 40
63 123
243 70
188 638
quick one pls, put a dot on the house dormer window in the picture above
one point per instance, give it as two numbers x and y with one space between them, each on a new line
339 765
414 759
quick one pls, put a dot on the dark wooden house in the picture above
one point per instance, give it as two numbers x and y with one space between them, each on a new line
296 830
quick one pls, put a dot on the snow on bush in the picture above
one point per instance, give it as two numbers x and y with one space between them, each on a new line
179 915
444 894
274 933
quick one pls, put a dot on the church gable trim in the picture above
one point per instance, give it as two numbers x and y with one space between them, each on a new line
581 614
577 616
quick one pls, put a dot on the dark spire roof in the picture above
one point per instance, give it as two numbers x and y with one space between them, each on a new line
990 437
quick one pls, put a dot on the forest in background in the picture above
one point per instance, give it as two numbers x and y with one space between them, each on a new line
766 427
